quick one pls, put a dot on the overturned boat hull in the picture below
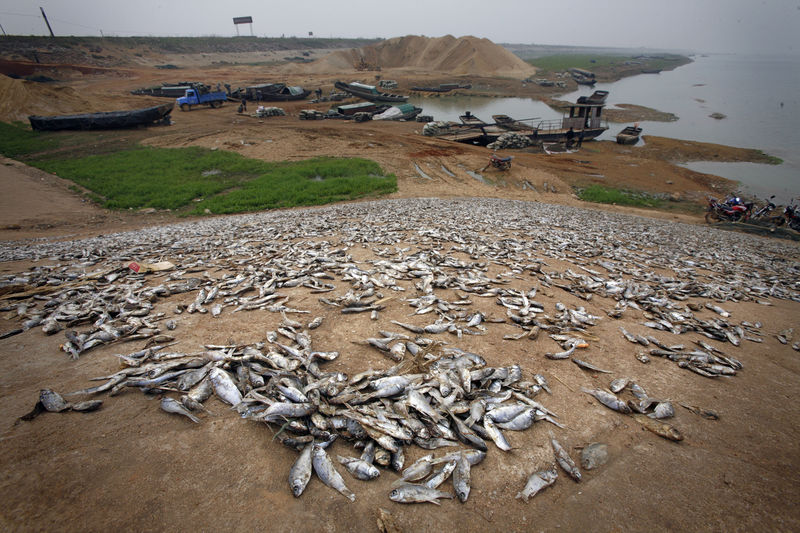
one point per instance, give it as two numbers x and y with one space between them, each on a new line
103 120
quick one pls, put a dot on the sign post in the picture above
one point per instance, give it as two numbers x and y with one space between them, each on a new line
243 20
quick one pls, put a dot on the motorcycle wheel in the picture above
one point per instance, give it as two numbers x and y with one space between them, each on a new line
712 216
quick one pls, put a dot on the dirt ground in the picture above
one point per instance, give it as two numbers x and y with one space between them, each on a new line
132 467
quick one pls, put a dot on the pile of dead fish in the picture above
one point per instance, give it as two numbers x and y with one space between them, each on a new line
436 397
454 254
510 140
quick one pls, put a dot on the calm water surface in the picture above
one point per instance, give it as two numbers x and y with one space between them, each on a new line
758 95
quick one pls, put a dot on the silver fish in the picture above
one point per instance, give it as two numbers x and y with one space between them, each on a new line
461 479
441 475
224 386
419 469
323 467
663 410
496 435
172 405
52 401
300 473
538 481
359 468
609 400
411 493
564 460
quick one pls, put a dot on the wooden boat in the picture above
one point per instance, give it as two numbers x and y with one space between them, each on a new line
629 135
369 92
471 120
103 120
399 112
167 90
504 121
443 88
583 119
285 94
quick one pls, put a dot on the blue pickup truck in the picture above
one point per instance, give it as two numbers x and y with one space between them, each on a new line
194 97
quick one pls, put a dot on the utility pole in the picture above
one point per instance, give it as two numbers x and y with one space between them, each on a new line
47 22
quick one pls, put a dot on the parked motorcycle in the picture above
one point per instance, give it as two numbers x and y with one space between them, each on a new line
791 216
732 209
765 212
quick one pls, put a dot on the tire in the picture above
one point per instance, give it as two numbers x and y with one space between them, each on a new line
216 103
185 107
712 216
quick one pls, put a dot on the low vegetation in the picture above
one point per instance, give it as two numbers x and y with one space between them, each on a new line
607 195
197 180
599 63
16 140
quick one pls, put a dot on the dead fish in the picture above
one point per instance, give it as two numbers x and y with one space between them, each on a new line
589 366
561 355
416 471
564 460
538 481
662 429
359 468
323 467
441 475
496 435
618 384
708 414
87 406
52 401
300 473
171 405
663 410
461 479
609 400
411 493
224 386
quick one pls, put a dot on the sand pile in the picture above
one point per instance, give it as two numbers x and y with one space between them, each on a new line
458 56
20 98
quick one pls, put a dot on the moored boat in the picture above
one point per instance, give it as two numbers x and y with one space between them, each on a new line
102 120
582 121
629 135
369 92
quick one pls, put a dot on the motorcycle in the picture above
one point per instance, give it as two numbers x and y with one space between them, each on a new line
765 212
732 209
791 216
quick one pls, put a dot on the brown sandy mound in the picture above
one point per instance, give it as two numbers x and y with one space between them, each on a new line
458 56
20 98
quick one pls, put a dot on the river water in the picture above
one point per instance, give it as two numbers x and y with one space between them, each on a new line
758 94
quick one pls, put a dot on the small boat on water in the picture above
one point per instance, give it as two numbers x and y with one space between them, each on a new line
629 135
369 92
104 120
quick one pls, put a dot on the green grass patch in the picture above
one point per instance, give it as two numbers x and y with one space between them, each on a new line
197 180
17 140
770 159
314 182
607 195
605 62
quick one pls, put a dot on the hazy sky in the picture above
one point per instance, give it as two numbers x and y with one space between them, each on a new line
756 26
